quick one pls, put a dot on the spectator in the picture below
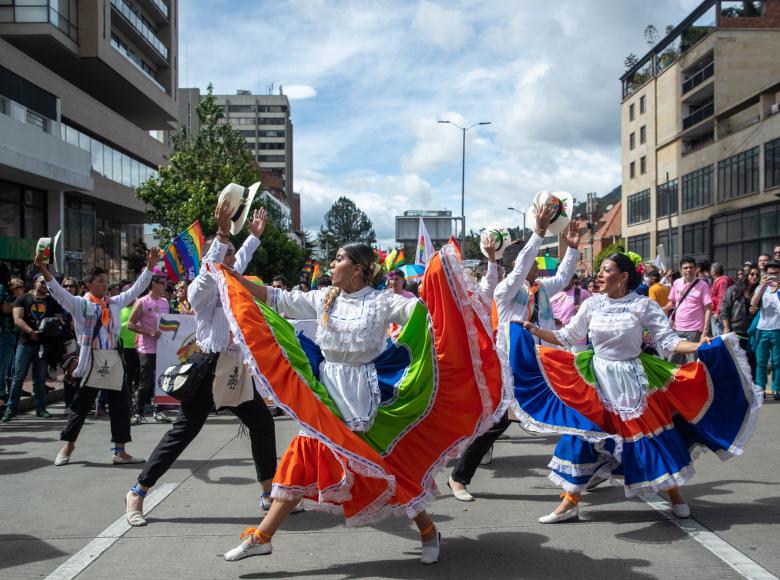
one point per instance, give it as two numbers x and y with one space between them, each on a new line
7 336
592 289
324 281
304 286
396 281
129 353
689 307
763 260
279 281
180 303
703 271
657 291
720 283
736 314
414 288
767 301
566 303
145 321
16 287
776 253
740 274
28 312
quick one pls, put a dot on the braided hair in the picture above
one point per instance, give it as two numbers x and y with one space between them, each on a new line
362 255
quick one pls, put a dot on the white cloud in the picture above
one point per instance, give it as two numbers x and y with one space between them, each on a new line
440 26
299 92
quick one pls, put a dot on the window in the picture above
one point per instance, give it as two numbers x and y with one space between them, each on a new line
270 145
697 188
271 121
738 175
695 239
632 141
670 245
772 164
251 133
743 234
241 108
277 133
638 207
666 199
632 169
642 104
271 158
642 165
22 211
642 134
640 244
631 113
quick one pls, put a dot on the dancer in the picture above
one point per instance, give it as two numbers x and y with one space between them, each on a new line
520 296
653 412
376 427
213 336
97 321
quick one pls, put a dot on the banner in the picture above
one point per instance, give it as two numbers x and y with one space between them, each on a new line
184 255
176 343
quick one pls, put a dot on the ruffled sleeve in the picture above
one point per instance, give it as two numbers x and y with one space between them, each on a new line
577 329
398 309
657 324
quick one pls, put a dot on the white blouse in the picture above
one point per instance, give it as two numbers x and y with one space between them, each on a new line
354 336
616 326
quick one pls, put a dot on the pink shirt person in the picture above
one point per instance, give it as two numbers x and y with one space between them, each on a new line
564 307
153 308
690 313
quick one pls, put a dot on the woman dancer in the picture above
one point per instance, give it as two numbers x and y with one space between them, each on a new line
654 413
377 428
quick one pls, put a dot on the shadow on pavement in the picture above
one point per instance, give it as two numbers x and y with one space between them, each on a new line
20 549
496 554
12 466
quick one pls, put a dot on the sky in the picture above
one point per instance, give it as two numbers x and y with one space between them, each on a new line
368 82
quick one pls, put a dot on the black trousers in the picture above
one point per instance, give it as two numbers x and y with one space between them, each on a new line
132 368
468 462
147 381
119 403
190 420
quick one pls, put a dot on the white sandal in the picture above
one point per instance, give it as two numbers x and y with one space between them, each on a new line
135 518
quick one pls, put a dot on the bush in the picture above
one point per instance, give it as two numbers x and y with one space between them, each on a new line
618 246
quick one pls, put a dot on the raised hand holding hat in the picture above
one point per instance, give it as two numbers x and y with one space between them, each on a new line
240 199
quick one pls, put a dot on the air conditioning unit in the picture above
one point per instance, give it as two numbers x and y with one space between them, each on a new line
774 109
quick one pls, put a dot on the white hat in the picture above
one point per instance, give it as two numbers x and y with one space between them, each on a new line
57 252
563 200
240 199
501 236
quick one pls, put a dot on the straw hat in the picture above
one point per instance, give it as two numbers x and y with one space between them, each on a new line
501 236
240 199
564 204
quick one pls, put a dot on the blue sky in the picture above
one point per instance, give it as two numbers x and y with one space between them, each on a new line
369 80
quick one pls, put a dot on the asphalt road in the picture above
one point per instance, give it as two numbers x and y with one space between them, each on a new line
65 518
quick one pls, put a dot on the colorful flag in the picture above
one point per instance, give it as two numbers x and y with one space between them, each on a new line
169 326
395 258
400 259
185 253
315 273
424 245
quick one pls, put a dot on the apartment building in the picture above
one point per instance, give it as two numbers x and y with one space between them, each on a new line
83 86
701 137
265 124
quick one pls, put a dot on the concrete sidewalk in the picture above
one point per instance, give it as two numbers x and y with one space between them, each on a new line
51 513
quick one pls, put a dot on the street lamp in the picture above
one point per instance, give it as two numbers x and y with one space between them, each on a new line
463 179
522 213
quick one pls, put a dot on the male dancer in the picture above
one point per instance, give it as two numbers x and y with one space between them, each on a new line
213 336
520 296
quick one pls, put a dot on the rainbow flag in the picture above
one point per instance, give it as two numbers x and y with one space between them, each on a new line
185 253
169 326
424 245
394 259
315 273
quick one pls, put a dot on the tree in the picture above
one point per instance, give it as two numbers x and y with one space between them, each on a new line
200 167
278 254
651 34
630 61
615 248
345 223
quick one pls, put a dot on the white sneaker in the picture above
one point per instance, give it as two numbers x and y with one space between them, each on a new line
430 550
248 548
487 459
553 518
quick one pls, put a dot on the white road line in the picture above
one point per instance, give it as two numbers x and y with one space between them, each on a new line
105 539
728 554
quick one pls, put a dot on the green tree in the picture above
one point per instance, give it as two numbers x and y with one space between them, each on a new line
618 246
630 61
278 254
200 166
345 223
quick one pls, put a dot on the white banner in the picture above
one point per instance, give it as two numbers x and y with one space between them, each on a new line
176 343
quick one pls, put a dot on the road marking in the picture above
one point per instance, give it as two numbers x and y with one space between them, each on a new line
741 563
76 564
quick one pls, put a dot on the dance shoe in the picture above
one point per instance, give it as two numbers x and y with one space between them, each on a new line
459 494
681 510
61 459
430 550
553 518
249 547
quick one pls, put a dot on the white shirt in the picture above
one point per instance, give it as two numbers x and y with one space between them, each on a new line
488 282
512 293
354 336
212 332
770 311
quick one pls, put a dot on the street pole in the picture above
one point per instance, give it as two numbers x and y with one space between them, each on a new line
463 194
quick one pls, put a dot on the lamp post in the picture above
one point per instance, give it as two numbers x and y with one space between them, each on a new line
522 213
463 179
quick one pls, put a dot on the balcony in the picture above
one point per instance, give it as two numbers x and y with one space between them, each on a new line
694 81
703 112
37 11
160 7
139 27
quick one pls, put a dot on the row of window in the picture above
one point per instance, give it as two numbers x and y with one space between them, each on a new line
107 161
22 211
695 239
141 25
642 137
642 167
738 175
642 108
252 133
255 108
133 57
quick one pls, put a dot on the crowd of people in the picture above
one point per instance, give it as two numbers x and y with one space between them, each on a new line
634 370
